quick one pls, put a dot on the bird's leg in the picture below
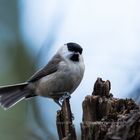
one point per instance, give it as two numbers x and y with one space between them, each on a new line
61 99
65 96
57 102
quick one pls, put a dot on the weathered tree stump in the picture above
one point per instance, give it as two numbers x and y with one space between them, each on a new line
104 117
108 118
65 127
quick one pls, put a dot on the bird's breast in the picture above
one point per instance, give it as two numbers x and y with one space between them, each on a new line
66 79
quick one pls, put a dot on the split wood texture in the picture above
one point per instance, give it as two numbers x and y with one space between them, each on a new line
65 127
104 117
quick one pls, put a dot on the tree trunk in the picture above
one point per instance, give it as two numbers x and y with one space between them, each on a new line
104 117
65 127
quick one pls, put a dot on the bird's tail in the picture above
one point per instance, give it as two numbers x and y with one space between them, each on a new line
10 95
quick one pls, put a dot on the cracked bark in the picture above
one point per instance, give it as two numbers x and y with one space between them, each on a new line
104 117
65 127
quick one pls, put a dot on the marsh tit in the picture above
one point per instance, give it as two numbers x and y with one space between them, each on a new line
61 75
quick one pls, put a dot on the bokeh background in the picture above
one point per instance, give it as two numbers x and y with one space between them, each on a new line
30 33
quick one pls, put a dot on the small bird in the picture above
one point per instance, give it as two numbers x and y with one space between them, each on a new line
58 79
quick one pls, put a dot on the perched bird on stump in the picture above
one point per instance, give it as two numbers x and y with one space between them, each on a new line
57 80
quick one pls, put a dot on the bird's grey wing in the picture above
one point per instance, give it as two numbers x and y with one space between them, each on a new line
50 68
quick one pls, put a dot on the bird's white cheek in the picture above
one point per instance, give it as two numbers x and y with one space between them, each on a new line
64 52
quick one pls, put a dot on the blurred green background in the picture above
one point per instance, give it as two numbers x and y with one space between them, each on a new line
17 65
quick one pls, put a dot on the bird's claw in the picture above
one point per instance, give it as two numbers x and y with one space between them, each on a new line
65 96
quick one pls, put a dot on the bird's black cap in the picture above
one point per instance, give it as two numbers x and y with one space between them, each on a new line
74 47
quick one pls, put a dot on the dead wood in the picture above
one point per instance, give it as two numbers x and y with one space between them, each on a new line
65 127
104 117
109 118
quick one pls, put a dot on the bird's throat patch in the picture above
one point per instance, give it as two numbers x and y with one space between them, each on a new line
75 57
